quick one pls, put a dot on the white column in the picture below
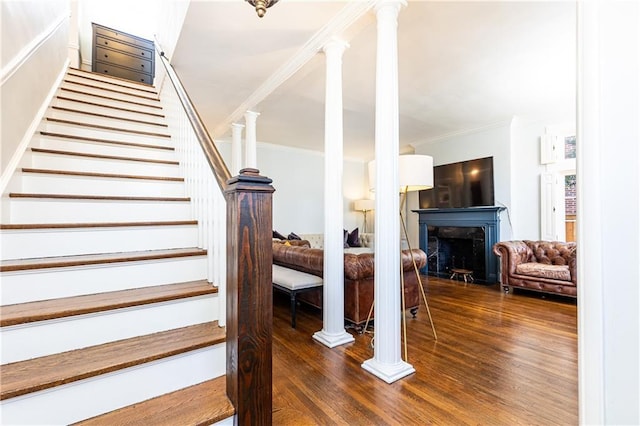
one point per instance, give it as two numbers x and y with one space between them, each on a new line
609 225
387 363
250 156
333 332
236 148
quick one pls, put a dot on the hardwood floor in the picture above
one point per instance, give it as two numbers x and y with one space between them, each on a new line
499 360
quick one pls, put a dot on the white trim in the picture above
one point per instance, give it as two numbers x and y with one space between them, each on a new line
28 135
342 21
478 129
25 53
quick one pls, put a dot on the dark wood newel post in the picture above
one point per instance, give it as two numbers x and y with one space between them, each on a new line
249 296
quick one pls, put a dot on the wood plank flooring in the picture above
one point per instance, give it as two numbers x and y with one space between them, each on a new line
499 360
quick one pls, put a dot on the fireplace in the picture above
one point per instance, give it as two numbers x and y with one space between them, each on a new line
462 239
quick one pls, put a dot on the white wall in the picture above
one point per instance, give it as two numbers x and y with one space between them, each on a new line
298 177
34 38
142 18
492 141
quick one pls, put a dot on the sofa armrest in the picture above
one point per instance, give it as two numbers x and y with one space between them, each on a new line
511 253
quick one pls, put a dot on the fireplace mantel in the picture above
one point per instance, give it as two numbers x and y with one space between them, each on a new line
487 218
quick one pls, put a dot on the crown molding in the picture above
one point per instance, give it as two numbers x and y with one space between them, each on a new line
501 123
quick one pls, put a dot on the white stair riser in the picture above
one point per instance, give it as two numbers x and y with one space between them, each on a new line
23 244
111 94
44 210
106 134
87 398
105 121
73 104
52 283
91 147
43 338
100 165
93 80
111 102
45 183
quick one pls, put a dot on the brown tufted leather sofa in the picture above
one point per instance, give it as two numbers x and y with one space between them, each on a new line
358 277
546 266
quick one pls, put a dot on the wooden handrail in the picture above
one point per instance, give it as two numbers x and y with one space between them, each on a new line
215 160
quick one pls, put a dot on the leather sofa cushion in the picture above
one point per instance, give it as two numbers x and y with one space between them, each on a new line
542 270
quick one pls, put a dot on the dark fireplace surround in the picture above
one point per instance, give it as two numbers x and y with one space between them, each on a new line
460 238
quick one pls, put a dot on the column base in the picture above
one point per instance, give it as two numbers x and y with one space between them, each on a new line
388 372
331 340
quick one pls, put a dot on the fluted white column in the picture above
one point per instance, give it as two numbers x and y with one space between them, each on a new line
236 148
333 332
250 155
387 363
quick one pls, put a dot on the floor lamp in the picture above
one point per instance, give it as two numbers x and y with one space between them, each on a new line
415 172
364 206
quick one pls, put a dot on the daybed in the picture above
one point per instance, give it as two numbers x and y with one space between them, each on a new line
358 277
546 266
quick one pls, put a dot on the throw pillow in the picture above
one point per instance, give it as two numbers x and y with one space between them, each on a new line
293 236
278 235
353 239
345 234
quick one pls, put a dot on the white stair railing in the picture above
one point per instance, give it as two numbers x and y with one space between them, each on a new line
205 175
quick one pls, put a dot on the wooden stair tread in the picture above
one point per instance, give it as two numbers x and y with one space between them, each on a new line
97 259
103 157
64 98
26 226
66 89
78 71
96 197
101 175
106 141
23 313
110 128
24 377
122 92
111 117
202 404
114 83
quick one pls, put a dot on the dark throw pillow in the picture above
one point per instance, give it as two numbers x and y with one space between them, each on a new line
293 236
345 234
353 239
278 235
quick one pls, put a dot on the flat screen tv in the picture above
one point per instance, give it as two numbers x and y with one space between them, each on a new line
464 184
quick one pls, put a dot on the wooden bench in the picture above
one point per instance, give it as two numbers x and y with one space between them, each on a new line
293 282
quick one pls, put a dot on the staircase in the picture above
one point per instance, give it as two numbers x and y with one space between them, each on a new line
107 316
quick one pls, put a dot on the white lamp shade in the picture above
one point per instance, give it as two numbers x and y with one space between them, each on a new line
415 172
364 205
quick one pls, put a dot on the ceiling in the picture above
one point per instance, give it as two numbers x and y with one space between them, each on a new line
461 65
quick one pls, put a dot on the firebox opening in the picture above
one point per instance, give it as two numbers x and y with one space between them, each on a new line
456 247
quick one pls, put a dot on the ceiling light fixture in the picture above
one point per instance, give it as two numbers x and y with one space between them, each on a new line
262 5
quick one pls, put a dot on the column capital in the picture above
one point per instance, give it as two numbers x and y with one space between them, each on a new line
383 4
251 114
335 45
237 126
